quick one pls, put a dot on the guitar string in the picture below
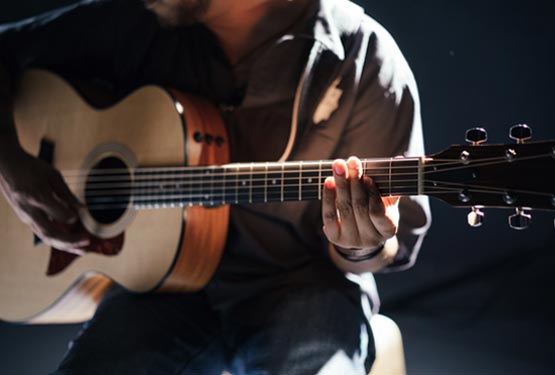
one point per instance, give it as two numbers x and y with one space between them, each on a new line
261 169
442 162
221 191
206 171
427 190
242 183
225 178
484 188
434 169
293 194
203 183
261 165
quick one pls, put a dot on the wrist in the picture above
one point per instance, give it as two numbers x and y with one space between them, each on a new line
360 254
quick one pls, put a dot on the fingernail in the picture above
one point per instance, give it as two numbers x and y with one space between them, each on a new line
339 169
329 183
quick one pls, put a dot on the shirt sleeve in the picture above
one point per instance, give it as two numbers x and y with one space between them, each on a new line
386 122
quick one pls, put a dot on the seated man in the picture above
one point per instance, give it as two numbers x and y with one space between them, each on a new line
296 80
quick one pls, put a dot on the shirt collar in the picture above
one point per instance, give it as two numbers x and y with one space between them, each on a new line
326 20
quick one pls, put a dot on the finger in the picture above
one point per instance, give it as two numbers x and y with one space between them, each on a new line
348 228
369 235
63 191
65 196
383 224
57 210
329 212
55 235
354 166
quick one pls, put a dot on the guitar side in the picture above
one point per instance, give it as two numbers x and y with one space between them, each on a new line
159 251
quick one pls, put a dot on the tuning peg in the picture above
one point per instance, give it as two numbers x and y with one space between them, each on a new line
475 217
520 220
520 133
475 136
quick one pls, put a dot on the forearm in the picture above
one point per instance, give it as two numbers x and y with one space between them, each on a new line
373 265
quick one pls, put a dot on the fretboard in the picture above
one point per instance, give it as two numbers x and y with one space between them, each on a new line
260 182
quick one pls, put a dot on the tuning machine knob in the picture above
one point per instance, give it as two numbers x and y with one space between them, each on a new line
475 217
476 136
520 220
520 133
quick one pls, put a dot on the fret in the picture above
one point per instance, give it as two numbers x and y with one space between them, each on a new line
266 182
230 184
274 178
237 183
320 180
250 184
300 180
311 181
243 184
196 179
205 185
282 175
259 183
211 171
218 186
290 181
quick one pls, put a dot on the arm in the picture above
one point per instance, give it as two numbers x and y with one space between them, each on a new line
385 121
35 191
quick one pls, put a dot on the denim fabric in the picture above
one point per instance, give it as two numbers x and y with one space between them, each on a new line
304 330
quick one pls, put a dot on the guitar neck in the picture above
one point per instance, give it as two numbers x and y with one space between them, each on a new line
263 182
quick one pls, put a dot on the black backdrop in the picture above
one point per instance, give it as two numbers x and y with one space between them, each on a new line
478 300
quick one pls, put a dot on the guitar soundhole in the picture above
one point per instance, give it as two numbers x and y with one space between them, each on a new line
107 190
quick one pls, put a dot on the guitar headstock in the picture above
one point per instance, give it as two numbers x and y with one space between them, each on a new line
518 176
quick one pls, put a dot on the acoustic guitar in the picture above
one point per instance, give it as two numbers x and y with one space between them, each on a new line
154 175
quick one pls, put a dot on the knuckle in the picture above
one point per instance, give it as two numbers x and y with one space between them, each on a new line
345 208
360 205
329 215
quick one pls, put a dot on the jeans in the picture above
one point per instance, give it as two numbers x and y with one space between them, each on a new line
290 331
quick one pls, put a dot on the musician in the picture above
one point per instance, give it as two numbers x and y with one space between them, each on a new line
320 73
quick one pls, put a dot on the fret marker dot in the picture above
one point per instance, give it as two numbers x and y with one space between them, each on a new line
244 183
274 182
309 180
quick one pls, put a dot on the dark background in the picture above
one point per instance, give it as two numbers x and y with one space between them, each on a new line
479 300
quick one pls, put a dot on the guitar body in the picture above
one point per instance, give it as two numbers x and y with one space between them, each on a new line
173 249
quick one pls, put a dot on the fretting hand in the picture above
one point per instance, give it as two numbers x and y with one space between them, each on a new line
357 220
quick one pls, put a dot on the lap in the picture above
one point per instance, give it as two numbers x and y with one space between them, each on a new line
145 334
305 330
301 330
